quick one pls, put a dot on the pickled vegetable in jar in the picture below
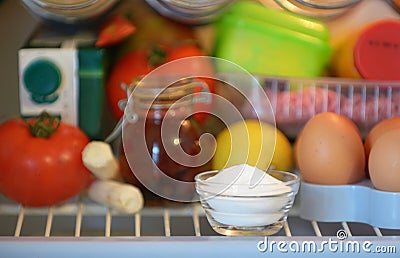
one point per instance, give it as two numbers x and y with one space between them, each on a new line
161 139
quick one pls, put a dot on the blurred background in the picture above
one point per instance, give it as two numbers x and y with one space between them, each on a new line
16 25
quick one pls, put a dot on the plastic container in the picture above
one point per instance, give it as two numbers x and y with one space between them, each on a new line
273 42
373 53
91 76
295 100
353 203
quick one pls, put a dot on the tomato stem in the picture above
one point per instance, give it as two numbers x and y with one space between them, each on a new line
44 125
156 56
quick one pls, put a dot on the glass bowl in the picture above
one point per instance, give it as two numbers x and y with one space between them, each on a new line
239 209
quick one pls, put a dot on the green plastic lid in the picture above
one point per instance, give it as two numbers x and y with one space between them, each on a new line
246 11
269 41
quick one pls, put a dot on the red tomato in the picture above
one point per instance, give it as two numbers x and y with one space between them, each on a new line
38 171
141 62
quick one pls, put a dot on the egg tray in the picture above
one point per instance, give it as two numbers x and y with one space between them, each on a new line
359 202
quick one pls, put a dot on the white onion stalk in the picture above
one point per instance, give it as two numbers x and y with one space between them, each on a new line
121 197
100 160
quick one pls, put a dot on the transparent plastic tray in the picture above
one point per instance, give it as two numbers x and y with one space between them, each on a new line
357 203
294 101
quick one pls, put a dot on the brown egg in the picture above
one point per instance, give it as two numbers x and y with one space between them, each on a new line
379 129
330 151
384 162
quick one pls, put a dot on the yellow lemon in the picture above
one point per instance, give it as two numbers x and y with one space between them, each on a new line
253 142
283 158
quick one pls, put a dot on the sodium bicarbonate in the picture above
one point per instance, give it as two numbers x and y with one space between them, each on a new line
246 180
246 196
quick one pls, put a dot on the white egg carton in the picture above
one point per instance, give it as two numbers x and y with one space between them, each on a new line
359 202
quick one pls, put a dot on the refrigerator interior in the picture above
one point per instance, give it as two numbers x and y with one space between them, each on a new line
81 228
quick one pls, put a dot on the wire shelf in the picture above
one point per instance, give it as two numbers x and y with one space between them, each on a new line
69 228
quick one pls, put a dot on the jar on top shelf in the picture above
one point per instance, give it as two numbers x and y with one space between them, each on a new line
189 11
314 8
69 12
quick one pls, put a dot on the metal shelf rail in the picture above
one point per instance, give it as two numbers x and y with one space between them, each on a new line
81 228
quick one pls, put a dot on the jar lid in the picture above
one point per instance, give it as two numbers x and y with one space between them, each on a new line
189 11
377 51
65 4
316 8
70 11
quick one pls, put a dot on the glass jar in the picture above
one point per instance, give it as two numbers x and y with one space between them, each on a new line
189 11
70 11
161 139
315 8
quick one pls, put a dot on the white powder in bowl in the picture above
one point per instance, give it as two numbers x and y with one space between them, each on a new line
245 180
245 196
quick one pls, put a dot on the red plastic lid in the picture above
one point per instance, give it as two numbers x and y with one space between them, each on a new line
377 51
